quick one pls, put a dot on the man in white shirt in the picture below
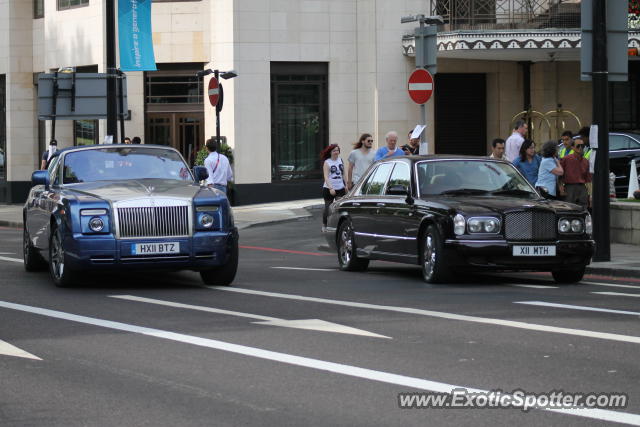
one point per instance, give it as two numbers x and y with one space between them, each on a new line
218 166
513 143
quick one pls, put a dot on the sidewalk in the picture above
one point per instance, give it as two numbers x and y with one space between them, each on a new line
625 259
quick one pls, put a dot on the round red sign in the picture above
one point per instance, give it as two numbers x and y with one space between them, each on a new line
213 92
420 86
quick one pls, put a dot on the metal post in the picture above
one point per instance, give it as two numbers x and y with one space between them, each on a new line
600 87
110 38
423 107
216 73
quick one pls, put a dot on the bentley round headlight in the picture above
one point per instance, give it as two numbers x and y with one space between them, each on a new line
459 224
491 225
576 226
564 225
206 220
96 224
475 225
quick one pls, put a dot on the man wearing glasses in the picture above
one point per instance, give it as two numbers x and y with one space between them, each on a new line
359 159
576 175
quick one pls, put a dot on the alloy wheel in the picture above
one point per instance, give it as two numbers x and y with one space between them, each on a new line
57 256
429 258
346 245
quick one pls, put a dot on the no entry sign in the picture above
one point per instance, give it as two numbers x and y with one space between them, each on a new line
420 86
213 92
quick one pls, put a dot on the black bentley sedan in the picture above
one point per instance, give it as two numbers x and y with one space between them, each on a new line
454 213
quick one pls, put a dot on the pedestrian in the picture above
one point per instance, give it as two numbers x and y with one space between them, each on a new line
513 143
391 149
576 175
127 140
220 173
566 146
48 153
413 146
497 149
136 140
359 159
528 162
333 171
550 169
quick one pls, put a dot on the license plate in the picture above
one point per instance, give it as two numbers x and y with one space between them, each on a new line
548 250
155 248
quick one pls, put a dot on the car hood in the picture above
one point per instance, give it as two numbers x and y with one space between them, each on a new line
116 191
499 204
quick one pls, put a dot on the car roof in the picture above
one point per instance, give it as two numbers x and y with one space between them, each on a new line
418 158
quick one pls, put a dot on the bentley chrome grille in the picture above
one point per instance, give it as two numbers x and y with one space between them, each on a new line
530 225
153 221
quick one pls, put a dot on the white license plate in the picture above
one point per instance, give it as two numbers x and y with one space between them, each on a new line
548 250
155 248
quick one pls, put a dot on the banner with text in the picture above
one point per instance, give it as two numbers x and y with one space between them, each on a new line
135 37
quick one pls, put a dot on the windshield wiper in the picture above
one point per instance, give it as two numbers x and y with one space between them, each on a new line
465 191
513 191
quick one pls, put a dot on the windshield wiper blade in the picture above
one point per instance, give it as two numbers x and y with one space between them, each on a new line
514 191
465 191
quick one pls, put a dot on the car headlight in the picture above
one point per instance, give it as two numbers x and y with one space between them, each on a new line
577 226
96 224
206 220
588 225
483 225
564 226
459 224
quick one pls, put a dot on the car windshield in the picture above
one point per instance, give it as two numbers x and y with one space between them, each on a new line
124 163
471 177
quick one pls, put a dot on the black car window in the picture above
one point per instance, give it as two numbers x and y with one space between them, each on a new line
377 180
401 175
618 142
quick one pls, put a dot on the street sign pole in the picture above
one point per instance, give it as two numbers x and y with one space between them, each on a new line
112 106
216 75
424 144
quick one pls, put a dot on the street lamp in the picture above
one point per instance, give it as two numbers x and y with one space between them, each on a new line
216 75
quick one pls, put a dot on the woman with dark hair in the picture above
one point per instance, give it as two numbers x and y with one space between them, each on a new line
550 169
528 162
333 171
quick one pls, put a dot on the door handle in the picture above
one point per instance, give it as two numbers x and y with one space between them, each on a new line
381 204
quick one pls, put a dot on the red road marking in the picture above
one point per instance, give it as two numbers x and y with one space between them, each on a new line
260 248
10 228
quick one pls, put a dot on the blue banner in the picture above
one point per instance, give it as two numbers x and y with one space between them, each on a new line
135 37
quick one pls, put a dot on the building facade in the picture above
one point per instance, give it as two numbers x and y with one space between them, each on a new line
310 73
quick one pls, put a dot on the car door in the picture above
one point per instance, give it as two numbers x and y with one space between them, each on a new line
40 209
620 155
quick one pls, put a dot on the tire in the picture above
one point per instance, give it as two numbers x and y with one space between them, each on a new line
568 275
434 266
33 261
347 253
226 273
59 270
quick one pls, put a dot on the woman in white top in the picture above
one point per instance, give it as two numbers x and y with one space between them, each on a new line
333 171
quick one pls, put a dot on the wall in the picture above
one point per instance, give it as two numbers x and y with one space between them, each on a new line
625 222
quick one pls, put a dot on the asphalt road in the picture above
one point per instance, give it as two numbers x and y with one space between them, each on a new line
119 351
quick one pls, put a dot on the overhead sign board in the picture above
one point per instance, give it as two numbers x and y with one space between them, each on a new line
420 86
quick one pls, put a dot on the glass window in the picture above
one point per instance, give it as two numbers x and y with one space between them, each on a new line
618 142
401 175
377 180
3 130
85 132
173 89
68 4
38 9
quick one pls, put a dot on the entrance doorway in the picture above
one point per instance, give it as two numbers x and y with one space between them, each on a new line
182 131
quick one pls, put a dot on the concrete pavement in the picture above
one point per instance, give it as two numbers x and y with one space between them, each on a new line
625 259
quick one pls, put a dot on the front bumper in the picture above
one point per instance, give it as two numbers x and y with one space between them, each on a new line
203 250
498 254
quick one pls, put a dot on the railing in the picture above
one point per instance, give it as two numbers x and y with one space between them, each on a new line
507 14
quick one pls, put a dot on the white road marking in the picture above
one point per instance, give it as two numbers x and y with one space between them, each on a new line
7 253
442 315
536 286
321 365
11 350
613 285
306 269
309 324
577 307
4 258
617 294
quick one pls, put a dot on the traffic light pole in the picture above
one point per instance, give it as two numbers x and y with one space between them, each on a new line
112 108
600 87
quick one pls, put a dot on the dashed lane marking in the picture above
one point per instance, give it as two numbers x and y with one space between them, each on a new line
536 286
613 285
577 307
305 269
4 258
617 294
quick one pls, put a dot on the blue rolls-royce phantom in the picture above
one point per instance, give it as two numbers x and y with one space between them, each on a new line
123 207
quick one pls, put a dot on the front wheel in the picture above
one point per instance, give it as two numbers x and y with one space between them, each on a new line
32 259
61 274
434 266
347 254
568 275
226 273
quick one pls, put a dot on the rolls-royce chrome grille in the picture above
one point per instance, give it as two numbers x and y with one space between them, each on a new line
530 225
157 221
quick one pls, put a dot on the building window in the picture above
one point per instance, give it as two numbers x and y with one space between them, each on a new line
38 9
173 87
85 132
624 98
69 4
3 129
299 111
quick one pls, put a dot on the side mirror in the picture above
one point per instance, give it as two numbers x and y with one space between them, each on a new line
200 173
397 190
544 192
40 178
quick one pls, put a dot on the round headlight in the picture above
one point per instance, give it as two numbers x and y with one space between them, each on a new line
475 225
576 226
564 226
96 224
588 225
491 225
206 220
458 224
